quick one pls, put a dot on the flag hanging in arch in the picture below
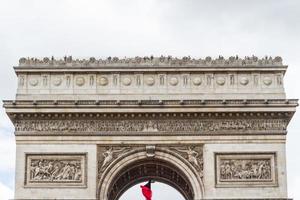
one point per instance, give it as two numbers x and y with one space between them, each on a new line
146 190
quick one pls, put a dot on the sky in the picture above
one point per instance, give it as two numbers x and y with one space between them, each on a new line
102 28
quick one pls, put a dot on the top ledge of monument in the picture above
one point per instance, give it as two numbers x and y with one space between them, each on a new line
162 61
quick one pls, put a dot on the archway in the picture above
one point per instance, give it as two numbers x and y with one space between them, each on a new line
166 167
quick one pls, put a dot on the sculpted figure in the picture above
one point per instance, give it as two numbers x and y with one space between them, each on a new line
192 156
108 156
64 174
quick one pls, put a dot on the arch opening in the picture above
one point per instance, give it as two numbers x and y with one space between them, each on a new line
154 169
160 191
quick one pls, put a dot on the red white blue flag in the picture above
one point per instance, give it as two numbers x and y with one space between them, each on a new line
146 190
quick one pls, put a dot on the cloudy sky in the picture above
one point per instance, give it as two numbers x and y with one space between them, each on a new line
102 28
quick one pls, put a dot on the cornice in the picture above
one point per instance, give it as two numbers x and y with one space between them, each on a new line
151 103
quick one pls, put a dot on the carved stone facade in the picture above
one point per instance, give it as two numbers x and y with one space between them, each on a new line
92 128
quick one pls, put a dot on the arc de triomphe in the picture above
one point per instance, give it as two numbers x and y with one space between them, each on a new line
91 129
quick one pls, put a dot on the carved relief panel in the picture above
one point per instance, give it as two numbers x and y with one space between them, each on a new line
245 169
55 170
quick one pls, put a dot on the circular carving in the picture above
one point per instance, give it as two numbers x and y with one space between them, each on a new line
244 81
197 81
220 80
57 81
46 60
80 81
22 60
103 81
150 81
126 81
278 59
267 80
173 81
33 81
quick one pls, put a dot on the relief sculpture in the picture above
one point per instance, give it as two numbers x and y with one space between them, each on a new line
55 169
109 154
193 154
245 169
199 126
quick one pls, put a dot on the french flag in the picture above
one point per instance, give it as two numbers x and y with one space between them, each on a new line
146 190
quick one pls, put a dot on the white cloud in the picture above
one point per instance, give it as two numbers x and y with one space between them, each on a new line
7 151
294 188
5 192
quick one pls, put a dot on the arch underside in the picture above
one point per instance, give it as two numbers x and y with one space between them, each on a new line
153 169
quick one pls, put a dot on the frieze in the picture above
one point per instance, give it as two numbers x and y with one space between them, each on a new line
173 126
151 60
188 79
239 169
55 170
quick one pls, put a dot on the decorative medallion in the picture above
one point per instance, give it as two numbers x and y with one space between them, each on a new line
221 80
103 81
57 81
173 81
244 81
34 82
80 81
197 81
267 80
150 80
126 81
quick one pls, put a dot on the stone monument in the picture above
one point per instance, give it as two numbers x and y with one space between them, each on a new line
92 128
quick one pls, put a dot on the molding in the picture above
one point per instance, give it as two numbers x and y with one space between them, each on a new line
162 103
